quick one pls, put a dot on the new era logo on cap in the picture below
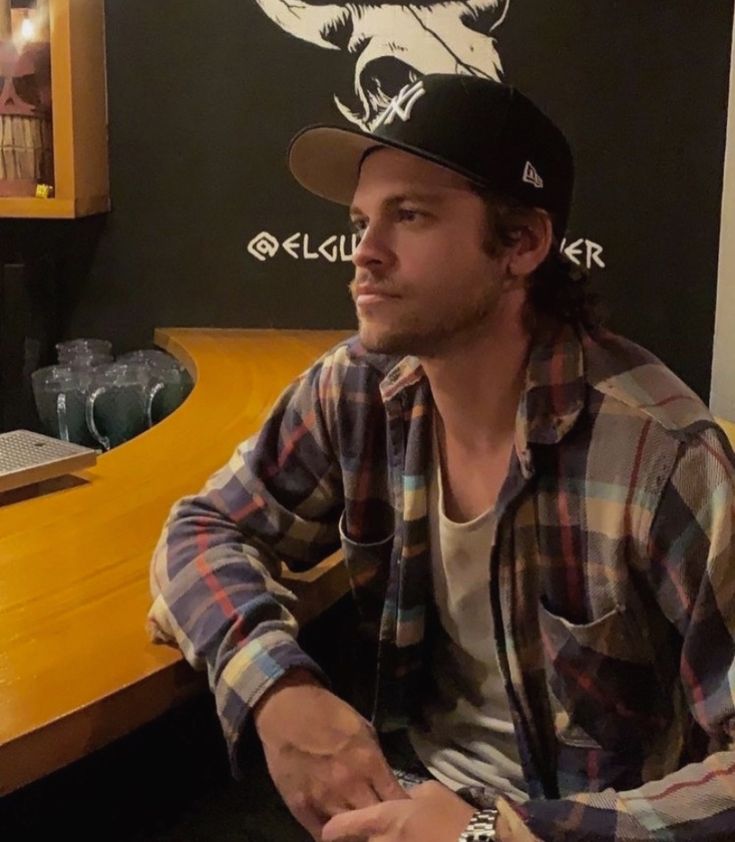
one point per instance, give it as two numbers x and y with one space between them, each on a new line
401 105
531 176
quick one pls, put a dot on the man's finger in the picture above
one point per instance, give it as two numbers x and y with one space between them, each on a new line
386 784
353 826
515 825
310 819
427 789
362 796
311 824
359 796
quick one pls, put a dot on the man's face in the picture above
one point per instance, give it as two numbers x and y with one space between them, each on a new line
424 284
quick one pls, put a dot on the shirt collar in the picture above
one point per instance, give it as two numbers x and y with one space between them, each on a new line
553 396
398 372
554 393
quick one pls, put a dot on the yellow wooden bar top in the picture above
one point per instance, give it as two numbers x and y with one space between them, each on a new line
76 667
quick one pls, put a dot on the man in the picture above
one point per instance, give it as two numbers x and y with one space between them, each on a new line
536 516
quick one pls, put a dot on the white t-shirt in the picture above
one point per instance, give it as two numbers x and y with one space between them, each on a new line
470 739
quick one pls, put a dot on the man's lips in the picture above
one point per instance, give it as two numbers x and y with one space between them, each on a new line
370 293
368 299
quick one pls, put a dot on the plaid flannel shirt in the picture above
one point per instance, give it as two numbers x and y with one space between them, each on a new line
612 583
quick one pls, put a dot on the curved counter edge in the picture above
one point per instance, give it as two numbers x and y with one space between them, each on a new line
77 670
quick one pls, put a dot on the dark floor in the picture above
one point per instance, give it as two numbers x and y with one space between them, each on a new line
169 781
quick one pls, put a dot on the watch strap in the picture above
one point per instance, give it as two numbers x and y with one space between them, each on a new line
481 827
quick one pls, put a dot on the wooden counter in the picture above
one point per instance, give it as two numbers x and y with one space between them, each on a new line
76 667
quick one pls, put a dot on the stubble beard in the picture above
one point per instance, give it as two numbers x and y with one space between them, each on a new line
432 335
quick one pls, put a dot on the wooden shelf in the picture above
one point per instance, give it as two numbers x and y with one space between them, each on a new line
52 208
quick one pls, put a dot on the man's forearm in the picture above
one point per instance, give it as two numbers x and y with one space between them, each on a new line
694 804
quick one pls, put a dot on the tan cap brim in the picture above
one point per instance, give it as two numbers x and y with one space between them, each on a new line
326 160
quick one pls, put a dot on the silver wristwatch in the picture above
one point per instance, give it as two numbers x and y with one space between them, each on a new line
481 827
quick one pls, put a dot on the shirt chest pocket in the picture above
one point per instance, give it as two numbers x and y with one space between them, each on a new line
603 680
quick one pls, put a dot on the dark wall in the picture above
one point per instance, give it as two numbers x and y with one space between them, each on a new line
203 98
641 88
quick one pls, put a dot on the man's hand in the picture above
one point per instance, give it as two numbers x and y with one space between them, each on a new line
433 814
322 755
509 827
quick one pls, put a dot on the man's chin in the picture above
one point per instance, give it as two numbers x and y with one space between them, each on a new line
382 342
376 341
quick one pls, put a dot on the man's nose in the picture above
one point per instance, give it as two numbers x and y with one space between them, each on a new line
372 249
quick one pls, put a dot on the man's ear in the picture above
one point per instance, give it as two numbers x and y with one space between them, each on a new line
535 240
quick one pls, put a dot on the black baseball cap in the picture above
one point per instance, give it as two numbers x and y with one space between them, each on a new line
487 131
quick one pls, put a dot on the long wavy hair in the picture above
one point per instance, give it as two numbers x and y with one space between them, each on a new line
559 291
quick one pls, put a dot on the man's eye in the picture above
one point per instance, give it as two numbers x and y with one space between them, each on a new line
358 226
408 214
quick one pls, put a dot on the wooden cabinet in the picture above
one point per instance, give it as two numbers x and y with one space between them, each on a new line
72 108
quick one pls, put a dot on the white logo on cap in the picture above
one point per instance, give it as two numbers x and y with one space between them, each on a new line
531 176
401 105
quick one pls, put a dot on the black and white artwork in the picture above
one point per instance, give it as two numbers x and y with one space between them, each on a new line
390 45
386 48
